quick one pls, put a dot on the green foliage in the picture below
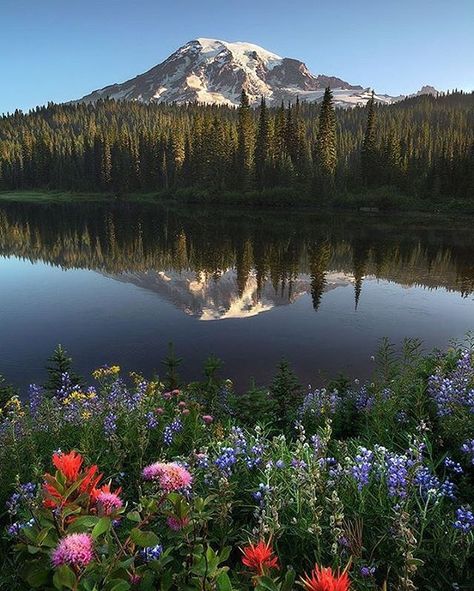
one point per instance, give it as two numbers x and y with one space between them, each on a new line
286 394
422 147
306 490
59 365
172 363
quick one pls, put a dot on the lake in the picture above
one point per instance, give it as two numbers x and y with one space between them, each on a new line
115 283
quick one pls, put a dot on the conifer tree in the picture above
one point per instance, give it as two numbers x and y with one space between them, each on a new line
325 157
369 155
262 146
60 364
245 152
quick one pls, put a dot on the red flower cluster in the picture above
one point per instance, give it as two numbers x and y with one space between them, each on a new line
259 557
59 491
323 579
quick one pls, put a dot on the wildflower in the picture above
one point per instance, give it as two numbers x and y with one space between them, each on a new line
362 467
109 502
170 476
151 420
207 419
110 424
464 520
151 552
259 557
74 550
323 579
170 430
68 464
468 448
159 411
177 523
455 467
367 571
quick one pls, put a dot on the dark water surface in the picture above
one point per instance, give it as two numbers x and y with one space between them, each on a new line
116 283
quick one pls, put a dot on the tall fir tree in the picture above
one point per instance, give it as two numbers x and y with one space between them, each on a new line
262 146
369 154
245 150
325 156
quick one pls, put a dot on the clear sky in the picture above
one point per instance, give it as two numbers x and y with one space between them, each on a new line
62 49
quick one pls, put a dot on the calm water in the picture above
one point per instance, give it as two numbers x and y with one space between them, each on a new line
115 284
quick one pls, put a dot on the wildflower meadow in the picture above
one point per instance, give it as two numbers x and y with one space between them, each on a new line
121 482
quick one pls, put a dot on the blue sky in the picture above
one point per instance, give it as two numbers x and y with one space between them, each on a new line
62 49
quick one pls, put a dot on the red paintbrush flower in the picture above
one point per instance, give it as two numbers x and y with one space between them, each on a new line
68 464
323 579
259 557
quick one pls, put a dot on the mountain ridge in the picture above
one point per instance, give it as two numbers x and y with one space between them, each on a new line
212 71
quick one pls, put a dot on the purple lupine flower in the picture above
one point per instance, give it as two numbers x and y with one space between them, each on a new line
151 553
468 448
464 520
397 474
455 390
453 466
110 424
151 420
226 460
367 571
363 464
170 431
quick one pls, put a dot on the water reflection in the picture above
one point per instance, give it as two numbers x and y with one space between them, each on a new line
220 265
319 291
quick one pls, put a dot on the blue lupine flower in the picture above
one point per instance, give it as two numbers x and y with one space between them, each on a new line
363 464
170 431
151 552
464 520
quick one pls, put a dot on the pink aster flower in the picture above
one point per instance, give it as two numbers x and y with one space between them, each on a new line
207 419
159 410
177 523
73 550
109 502
170 476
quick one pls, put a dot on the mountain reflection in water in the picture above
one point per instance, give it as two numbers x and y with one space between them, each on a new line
228 265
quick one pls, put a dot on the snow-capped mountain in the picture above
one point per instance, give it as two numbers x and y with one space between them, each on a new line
213 71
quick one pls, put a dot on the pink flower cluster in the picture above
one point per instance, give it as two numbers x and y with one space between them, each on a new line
73 550
109 502
170 476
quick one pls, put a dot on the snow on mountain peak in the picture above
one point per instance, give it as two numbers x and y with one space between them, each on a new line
214 71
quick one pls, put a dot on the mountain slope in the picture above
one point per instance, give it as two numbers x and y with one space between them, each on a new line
213 71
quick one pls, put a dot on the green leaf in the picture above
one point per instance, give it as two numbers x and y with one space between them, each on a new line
64 577
35 574
118 585
266 584
288 581
144 538
134 516
223 582
84 523
102 526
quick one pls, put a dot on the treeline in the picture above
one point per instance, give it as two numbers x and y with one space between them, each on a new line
423 146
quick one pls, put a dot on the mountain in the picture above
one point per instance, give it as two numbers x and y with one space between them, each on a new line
213 71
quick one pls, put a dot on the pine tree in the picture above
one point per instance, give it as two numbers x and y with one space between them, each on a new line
369 155
262 146
325 157
286 393
60 364
245 151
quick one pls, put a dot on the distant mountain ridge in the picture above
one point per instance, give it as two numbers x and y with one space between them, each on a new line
214 72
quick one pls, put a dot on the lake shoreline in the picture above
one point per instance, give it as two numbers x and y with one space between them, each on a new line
368 203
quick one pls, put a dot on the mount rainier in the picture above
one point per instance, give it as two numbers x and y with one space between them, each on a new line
214 72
